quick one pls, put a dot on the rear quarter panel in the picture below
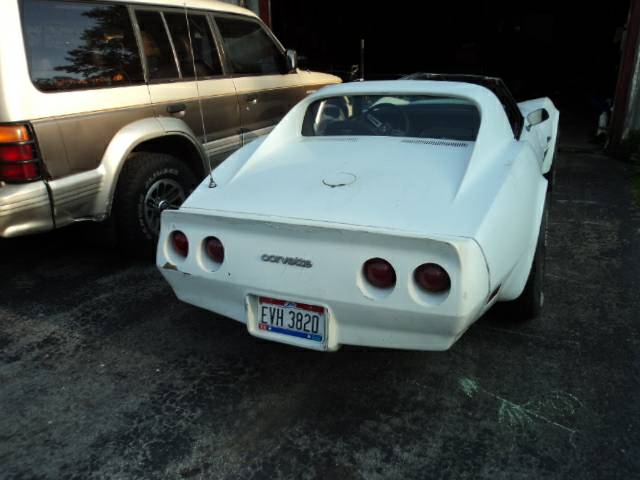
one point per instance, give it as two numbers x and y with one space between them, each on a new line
509 231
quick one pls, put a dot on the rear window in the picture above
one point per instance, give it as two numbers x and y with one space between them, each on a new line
161 63
420 116
79 45
204 52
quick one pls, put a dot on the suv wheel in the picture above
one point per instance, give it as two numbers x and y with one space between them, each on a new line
149 183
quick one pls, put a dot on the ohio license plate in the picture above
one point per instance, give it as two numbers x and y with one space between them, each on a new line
290 318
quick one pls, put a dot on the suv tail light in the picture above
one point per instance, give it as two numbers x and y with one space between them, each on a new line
19 161
432 278
379 273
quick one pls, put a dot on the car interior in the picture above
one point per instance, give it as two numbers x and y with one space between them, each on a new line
418 116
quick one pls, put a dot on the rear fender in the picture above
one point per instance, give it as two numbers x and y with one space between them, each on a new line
124 142
509 232
517 279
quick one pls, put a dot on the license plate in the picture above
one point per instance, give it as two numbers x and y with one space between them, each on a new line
290 318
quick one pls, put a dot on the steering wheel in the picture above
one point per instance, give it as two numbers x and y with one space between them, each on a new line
379 115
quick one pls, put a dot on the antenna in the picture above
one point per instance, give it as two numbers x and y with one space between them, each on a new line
362 59
212 183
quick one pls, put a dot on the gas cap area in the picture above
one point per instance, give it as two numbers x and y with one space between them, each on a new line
340 179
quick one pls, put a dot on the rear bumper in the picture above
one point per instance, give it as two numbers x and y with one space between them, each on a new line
361 323
24 208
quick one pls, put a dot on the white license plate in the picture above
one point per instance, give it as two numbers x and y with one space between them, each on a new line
298 320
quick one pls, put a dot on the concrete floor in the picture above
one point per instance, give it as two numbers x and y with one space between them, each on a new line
104 374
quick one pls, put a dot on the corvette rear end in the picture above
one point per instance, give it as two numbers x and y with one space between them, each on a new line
311 285
382 214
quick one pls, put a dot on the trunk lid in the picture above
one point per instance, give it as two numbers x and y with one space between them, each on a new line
391 183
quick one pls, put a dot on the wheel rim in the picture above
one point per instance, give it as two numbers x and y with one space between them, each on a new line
162 195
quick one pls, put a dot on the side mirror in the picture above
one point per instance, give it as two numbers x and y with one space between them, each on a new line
536 117
292 61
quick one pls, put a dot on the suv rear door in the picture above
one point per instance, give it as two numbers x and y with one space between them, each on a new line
177 86
266 90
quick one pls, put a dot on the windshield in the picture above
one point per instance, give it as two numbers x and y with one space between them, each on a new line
421 116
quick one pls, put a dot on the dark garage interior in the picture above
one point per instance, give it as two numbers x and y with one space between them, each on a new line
106 374
568 51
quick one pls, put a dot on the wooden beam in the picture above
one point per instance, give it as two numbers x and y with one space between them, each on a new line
265 11
625 74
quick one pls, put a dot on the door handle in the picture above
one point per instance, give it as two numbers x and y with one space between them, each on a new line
252 100
176 108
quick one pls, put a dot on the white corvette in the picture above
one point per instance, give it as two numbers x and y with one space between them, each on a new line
385 214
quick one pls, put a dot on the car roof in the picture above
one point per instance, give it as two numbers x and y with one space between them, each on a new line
495 84
406 87
213 5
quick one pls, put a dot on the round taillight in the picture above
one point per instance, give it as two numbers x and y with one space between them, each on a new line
214 249
379 273
180 243
433 278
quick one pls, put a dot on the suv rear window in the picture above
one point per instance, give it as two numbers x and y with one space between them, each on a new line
205 54
79 45
161 63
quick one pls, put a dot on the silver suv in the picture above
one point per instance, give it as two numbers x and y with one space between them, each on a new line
118 108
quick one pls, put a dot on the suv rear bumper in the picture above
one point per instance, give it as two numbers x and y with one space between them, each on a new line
24 208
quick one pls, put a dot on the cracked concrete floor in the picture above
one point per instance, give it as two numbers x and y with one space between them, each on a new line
104 374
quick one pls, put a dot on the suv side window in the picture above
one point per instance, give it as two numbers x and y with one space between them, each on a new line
249 48
158 53
80 45
205 53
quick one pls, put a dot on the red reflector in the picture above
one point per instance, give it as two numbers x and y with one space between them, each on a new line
433 278
379 273
16 153
214 249
19 172
180 243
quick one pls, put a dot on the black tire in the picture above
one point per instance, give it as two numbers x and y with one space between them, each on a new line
551 178
143 178
551 174
529 304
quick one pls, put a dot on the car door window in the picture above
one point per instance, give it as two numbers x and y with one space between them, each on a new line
249 48
205 53
79 45
156 46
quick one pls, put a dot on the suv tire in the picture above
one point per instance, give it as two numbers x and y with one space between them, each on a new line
148 184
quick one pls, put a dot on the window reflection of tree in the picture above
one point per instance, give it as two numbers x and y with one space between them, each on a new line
108 54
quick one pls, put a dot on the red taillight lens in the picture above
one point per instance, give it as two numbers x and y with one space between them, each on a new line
180 243
214 249
379 273
18 159
16 153
19 172
433 278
